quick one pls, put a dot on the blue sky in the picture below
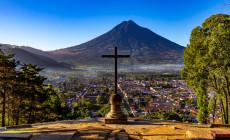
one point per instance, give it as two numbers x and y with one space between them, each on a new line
55 24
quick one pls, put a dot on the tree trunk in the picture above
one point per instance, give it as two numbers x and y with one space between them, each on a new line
227 115
17 116
30 114
227 97
3 109
226 108
18 111
8 111
215 97
8 115
214 111
223 113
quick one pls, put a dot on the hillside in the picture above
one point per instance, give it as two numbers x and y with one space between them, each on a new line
27 57
35 51
144 46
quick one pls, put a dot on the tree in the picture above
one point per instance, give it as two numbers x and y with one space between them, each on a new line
104 110
65 111
91 90
105 90
212 107
88 113
35 91
175 109
51 107
72 80
80 86
24 97
207 63
76 112
64 87
182 105
101 99
19 95
7 76
129 100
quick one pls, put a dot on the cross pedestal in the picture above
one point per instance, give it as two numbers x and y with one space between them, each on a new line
115 116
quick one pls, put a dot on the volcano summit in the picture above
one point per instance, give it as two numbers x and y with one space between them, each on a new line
143 45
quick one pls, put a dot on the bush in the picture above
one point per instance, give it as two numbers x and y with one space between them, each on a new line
104 110
168 116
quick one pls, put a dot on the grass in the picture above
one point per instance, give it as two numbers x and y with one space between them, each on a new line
29 130
166 73
86 67
101 124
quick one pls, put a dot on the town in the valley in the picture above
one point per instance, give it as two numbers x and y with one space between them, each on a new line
155 96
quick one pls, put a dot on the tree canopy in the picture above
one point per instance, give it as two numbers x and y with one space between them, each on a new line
207 63
23 95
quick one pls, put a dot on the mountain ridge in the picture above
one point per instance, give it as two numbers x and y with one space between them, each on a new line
25 56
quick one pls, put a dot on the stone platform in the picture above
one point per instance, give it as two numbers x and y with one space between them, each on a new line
136 129
116 121
220 134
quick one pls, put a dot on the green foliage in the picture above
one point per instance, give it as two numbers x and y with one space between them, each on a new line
190 101
7 76
182 105
142 103
175 109
207 62
105 90
82 109
72 80
80 113
91 90
80 86
28 99
104 110
101 99
85 104
171 93
129 100
212 107
168 116
52 105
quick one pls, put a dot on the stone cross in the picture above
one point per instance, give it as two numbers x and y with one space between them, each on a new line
115 64
115 116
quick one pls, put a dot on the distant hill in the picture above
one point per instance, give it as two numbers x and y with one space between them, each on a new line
28 57
144 46
35 51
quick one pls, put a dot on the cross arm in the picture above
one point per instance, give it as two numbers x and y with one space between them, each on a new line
119 56
123 56
108 56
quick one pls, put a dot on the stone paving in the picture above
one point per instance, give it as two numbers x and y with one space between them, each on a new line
136 129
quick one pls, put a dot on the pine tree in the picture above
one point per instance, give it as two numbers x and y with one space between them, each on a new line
35 91
7 76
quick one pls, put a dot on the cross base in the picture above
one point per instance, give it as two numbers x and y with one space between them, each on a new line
115 116
116 121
